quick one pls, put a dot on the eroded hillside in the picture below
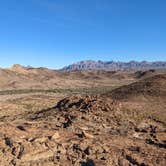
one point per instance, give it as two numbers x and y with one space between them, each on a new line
19 77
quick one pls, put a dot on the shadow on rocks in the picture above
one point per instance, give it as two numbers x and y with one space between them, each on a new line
88 163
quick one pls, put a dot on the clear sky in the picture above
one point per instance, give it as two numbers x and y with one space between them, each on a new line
54 33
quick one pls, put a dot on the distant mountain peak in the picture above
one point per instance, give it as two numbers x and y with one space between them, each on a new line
17 66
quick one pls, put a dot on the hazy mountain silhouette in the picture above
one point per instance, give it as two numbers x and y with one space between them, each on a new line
112 65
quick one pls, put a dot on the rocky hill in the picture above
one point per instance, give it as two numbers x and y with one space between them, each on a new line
114 66
151 86
83 131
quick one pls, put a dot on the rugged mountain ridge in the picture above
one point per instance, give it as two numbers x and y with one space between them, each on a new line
114 66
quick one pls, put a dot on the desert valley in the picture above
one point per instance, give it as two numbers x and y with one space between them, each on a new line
82 117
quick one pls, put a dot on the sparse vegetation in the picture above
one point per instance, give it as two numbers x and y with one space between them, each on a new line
84 91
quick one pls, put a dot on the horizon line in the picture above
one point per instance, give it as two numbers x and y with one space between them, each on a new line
42 66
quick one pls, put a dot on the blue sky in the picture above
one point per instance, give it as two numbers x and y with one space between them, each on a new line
54 33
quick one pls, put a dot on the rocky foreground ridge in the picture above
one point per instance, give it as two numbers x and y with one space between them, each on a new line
82 131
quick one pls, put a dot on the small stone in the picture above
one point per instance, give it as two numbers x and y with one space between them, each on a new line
87 135
56 136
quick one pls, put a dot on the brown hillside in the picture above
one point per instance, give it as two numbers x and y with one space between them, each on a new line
20 77
152 86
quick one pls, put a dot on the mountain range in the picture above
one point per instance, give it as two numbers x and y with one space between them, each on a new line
114 66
